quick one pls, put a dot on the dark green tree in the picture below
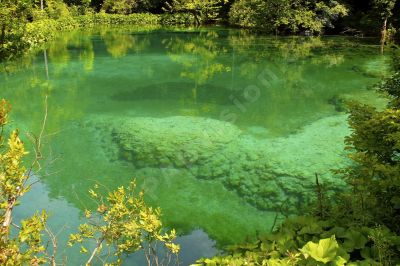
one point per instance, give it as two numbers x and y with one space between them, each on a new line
204 11
126 6
14 15
286 16
385 10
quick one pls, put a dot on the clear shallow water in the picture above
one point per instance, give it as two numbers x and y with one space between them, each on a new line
282 98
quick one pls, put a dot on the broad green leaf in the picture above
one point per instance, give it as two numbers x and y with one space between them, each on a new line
311 229
339 261
325 251
278 262
354 240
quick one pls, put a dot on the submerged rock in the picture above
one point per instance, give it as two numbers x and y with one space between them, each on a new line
174 141
265 172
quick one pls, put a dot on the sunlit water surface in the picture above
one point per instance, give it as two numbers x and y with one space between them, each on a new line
285 97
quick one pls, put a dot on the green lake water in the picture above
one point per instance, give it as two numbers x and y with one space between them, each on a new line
221 128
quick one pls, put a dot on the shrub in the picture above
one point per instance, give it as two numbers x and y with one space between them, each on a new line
114 19
57 9
308 241
122 221
183 19
286 16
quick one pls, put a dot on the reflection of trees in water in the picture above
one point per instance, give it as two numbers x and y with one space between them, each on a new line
212 67
290 48
119 44
40 75
122 40
300 93
199 56
66 46
221 64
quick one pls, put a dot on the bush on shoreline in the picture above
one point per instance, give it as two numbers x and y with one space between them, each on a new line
41 31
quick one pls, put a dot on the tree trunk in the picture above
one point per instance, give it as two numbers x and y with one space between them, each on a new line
3 35
46 64
8 215
99 242
384 34
196 18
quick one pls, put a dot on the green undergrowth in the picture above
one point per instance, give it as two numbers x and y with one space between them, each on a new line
309 241
115 19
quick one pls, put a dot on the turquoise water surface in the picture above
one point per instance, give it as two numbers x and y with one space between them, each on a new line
221 128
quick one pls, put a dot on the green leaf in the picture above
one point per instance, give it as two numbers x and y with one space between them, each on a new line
354 240
311 229
325 251
339 261
83 250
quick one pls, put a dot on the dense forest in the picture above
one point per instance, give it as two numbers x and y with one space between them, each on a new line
358 225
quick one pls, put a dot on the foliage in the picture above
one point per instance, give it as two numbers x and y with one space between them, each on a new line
43 30
143 19
13 18
384 7
374 175
391 85
362 227
17 33
175 19
24 26
26 246
308 241
126 6
57 9
368 17
385 10
326 250
286 16
203 11
124 223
